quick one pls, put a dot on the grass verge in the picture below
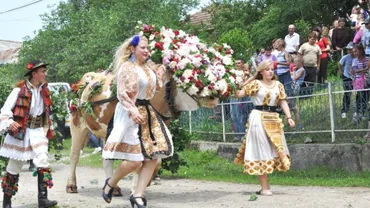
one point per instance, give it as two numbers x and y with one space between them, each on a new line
86 158
209 166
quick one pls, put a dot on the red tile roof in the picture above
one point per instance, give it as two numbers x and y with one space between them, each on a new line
201 17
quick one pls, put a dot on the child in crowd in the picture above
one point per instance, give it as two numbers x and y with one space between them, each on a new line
344 67
358 69
297 74
267 55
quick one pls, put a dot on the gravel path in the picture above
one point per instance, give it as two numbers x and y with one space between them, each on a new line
184 193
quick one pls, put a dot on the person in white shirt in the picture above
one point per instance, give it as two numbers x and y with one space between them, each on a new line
292 40
26 118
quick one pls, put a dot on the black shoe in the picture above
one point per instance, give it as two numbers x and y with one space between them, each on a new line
7 202
134 202
43 200
32 167
107 197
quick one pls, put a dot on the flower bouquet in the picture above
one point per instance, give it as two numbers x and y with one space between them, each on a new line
198 69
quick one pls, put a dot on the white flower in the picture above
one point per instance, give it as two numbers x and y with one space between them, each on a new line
220 70
193 49
139 22
192 90
187 73
211 77
168 33
151 37
172 64
212 50
152 45
221 85
232 79
194 40
226 46
184 50
182 64
197 61
182 34
227 60
205 92
217 54
141 33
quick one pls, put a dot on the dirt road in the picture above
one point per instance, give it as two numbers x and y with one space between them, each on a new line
183 193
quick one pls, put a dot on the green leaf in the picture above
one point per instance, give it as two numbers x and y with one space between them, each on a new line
253 197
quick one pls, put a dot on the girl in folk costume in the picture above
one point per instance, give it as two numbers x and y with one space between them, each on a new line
25 116
265 148
139 136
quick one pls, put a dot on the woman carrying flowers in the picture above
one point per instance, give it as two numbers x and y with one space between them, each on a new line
265 148
139 136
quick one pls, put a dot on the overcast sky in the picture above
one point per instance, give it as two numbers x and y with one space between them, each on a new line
17 24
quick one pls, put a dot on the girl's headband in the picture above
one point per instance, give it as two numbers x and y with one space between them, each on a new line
135 40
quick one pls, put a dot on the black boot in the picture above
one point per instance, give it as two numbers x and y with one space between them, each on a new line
10 188
7 201
44 180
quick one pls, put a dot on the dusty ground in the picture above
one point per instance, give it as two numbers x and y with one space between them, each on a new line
184 193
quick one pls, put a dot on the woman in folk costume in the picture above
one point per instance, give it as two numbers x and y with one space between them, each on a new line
139 136
265 148
26 117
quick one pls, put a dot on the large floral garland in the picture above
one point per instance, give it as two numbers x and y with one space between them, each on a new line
200 70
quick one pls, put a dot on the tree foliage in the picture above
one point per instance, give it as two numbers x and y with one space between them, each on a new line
81 36
239 41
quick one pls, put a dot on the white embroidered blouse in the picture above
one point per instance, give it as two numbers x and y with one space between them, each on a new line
138 82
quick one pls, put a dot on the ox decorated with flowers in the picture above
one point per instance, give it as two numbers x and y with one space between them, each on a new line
198 75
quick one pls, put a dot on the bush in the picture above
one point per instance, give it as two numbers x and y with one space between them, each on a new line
181 139
6 86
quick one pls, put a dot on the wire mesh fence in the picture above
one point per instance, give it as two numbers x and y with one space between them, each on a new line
330 112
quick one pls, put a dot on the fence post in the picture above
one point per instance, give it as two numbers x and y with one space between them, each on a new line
223 121
332 127
190 130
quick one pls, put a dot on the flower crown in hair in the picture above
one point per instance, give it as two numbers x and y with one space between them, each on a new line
135 41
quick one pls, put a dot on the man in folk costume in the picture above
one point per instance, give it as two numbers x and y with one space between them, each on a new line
25 116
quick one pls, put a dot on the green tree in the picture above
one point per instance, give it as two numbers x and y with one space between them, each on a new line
81 36
239 41
230 14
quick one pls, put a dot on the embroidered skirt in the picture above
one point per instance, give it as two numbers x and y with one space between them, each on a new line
130 141
265 141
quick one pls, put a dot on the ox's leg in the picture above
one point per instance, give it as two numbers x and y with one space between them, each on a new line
79 136
157 168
